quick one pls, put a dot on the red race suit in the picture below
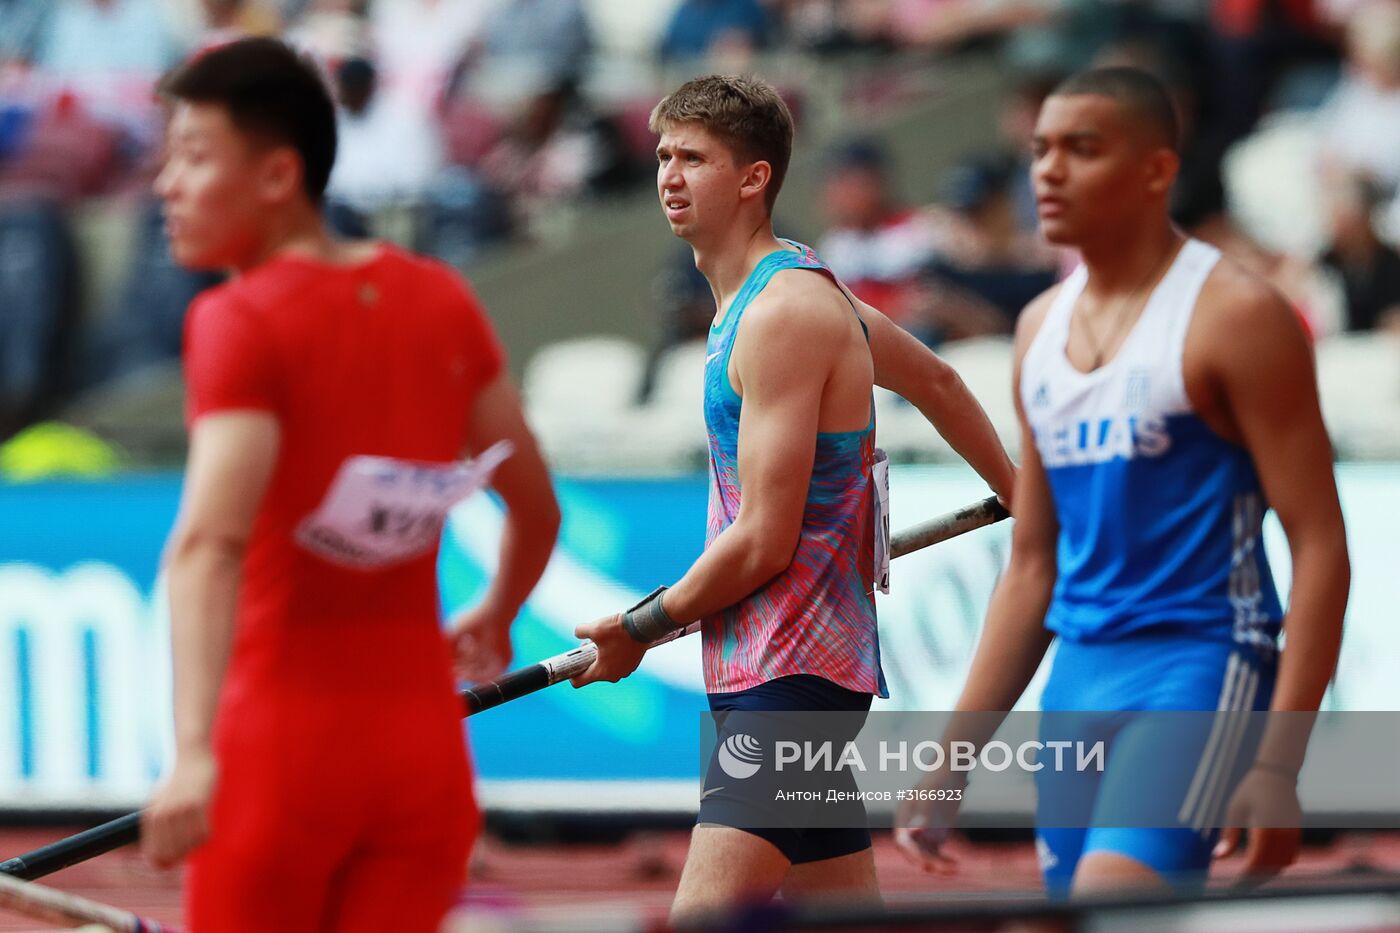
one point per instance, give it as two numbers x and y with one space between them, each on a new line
344 798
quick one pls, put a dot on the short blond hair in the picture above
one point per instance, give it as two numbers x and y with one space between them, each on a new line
747 114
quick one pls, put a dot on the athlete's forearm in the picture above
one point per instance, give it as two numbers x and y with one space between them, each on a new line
1313 628
740 560
963 423
202 575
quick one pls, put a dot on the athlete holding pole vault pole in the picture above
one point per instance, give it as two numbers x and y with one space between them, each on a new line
784 588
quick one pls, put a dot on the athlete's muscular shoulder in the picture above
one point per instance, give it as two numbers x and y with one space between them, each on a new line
1243 331
794 330
800 305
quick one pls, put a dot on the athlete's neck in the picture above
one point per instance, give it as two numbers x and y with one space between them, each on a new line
1119 265
299 231
727 265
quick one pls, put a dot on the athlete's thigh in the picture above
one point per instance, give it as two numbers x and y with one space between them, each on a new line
410 865
267 865
847 878
1139 836
1107 871
408 890
726 867
1065 794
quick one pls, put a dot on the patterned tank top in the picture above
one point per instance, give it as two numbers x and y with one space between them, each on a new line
817 616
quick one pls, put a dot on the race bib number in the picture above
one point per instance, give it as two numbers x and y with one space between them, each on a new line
880 476
380 511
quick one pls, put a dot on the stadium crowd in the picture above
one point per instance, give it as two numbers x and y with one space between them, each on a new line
464 124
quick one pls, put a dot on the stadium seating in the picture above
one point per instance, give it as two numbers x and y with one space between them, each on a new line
673 418
580 396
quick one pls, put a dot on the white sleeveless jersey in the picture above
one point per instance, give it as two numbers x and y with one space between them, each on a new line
1159 516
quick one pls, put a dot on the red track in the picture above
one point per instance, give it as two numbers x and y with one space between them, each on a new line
643 872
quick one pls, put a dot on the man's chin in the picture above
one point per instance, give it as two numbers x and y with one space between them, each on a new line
189 257
1059 234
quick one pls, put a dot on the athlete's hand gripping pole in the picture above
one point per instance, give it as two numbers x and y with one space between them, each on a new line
571 663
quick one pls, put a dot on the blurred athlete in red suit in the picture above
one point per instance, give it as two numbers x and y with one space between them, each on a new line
321 779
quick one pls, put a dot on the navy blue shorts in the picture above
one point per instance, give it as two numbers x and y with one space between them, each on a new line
722 798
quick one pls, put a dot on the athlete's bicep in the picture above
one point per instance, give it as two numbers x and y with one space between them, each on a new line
497 415
783 363
232 455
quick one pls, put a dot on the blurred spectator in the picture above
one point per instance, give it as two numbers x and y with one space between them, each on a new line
332 31
292 10
687 308
417 45
1253 43
876 245
701 28
385 154
943 23
109 53
1016 126
1360 124
226 20
987 267
145 326
197 24
14 125
1367 269
22 25
462 218
38 295
63 153
830 26
533 45
557 149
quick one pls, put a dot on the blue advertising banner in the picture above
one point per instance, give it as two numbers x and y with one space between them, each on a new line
84 666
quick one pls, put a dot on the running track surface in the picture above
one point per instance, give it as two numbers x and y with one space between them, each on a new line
641 873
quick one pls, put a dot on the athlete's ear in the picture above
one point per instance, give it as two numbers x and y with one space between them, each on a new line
280 174
756 179
1162 166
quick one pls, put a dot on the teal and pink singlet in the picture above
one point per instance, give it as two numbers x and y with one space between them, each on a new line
818 616
806 641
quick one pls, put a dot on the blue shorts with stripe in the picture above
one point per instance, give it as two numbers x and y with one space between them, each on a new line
1109 686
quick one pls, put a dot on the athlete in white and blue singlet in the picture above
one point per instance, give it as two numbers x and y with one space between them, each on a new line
1167 400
